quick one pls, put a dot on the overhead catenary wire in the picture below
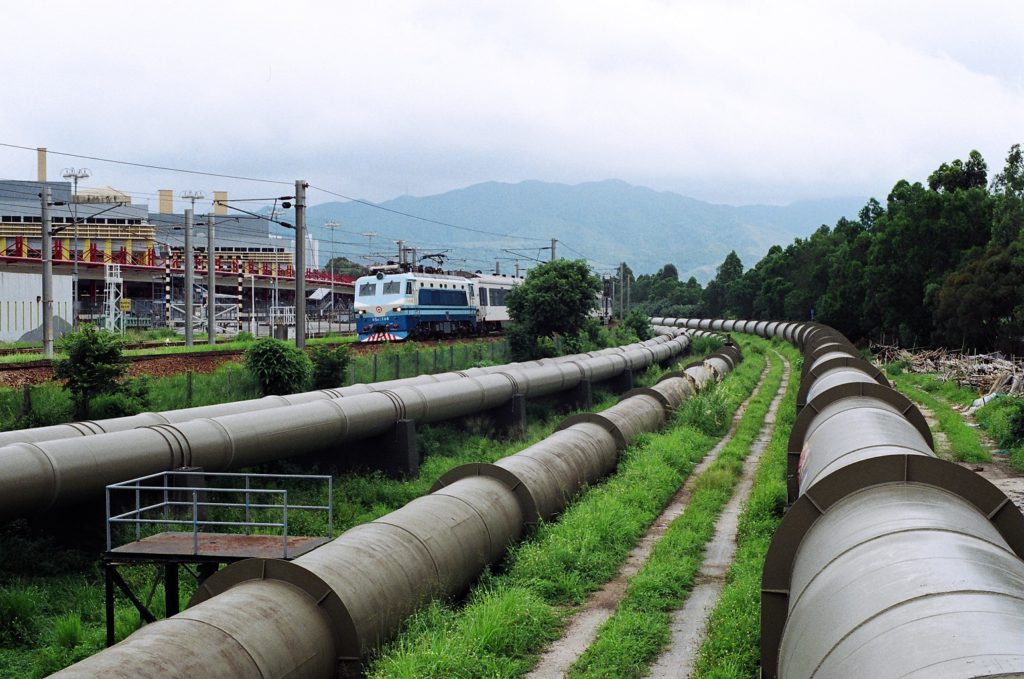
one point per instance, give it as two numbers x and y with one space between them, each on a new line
424 219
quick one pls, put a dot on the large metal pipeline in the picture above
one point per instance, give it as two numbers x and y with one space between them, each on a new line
43 474
890 562
331 607
111 425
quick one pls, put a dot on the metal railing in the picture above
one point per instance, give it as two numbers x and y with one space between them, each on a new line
247 500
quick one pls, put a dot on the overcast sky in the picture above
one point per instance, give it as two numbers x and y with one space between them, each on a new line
726 101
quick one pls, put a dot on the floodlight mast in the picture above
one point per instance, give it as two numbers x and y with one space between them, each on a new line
74 175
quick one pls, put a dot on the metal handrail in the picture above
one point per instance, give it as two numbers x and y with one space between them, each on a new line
137 516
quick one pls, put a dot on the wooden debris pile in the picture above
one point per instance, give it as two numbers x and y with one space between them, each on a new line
985 373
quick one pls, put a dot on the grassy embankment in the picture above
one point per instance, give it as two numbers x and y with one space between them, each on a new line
51 596
731 648
964 444
639 629
512 614
1002 418
50 404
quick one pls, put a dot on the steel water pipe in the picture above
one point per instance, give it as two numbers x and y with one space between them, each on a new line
327 609
891 562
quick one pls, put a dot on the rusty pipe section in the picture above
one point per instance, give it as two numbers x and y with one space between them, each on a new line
43 474
331 607
890 562
109 426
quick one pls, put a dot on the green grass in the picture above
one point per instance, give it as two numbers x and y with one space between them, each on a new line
731 648
45 587
1003 420
965 446
635 634
232 382
48 589
947 390
560 565
200 344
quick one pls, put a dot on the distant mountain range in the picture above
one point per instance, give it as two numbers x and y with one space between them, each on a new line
604 222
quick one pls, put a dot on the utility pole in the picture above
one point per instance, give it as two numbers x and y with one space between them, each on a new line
369 245
300 263
190 261
517 268
332 225
211 284
47 256
622 290
627 296
74 175
553 255
190 275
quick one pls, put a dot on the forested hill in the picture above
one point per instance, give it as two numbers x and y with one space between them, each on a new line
608 222
940 262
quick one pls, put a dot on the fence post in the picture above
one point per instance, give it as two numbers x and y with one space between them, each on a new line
188 388
451 357
352 372
26 400
434 351
417 362
398 366
373 372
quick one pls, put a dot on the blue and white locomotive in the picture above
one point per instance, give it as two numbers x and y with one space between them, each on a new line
401 305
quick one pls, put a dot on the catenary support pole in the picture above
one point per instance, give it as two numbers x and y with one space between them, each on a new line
300 263
190 275
47 256
211 283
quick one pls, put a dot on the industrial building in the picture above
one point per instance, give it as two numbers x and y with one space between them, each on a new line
123 260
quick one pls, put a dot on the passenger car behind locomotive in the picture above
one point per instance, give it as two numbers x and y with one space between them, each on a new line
426 304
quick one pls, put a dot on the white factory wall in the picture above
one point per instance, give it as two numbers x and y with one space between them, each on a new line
21 306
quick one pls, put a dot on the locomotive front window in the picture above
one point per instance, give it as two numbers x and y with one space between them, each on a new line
367 289
393 287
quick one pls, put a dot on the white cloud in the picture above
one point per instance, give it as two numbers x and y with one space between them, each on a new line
728 100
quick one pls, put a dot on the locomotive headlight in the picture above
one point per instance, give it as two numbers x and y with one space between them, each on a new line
398 308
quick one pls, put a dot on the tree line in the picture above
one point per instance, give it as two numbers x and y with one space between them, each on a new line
940 263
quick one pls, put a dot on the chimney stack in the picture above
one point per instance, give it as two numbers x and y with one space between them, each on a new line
41 163
166 201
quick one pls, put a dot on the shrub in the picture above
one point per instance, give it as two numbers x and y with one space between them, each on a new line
245 336
18 610
281 368
1003 419
897 367
637 321
94 365
522 344
329 365
132 398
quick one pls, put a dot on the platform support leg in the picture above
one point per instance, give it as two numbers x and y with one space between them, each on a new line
108 582
171 599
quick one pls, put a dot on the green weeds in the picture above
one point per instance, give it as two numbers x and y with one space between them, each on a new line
562 562
964 443
1003 420
634 635
731 648
51 598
